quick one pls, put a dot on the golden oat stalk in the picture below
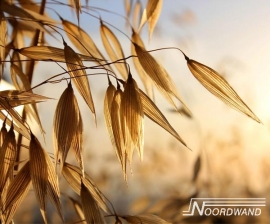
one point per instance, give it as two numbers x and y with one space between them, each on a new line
67 127
113 48
47 53
78 74
219 87
25 85
151 111
151 15
73 176
158 75
44 178
132 118
90 207
16 192
116 122
84 43
8 155
146 80
76 4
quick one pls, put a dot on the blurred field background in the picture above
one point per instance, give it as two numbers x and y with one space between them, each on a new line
231 151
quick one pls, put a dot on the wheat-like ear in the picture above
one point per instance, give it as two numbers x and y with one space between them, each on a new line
218 86
113 48
158 75
90 207
76 4
73 176
151 111
83 42
151 15
78 73
16 11
67 125
39 173
47 53
25 86
132 118
16 192
146 80
8 155
116 121
137 15
145 218
44 178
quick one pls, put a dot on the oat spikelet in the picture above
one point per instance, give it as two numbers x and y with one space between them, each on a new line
132 118
90 207
47 53
114 53
116 121
151 111
107 113
39 173
16 192
8 154
158 75
219 87
151 15
73 176
66 125
78 73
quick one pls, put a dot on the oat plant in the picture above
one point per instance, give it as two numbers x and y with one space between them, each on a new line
126 104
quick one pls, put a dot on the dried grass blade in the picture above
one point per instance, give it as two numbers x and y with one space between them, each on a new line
145 219
148 85
53 189
65 124
16 192
3 39
46 53
78 73
132 118
219 87
73 176
116 121
8 154
114 53
158 75
152 112
39 173
90 207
